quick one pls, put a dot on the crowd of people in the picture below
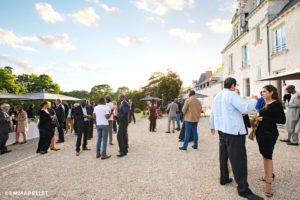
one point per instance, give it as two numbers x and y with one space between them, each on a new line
229 117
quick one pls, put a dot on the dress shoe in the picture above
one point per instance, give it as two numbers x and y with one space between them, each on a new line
43 152
111 143
252 196
98 156
15 143
180 140
226 182
59 141
105 157
121 155
194 147
23 142
54 149
7 151
86 149
293 144
168 132
77 153
285 141
181 148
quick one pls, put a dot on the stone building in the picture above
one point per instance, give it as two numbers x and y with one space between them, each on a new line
263 45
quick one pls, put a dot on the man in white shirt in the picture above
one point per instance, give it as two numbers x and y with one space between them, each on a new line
110 120
101 114
226 118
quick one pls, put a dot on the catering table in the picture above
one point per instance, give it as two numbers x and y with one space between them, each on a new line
33 132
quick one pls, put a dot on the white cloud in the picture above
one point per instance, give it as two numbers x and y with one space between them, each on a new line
161 7
155 19
93 1
191 3
87 17
125 41
78 66
47 13
229 6
22 66
191 21
9 38
219 25
112 10
62 41
188 37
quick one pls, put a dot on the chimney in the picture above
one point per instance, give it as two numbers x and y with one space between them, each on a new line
208 74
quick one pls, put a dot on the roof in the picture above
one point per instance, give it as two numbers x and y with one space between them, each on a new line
288 6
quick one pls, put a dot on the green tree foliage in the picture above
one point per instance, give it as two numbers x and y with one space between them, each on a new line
100 91
135 96
8 82
35 83
169 86
151 89
80 94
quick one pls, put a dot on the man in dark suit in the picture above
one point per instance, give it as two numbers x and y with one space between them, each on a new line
82 114
60 114
123 120
5 127
91 121
131 110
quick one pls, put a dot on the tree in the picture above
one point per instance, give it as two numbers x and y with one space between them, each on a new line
169 86
151 89
100 91
135 96
80 94
8 82
35 83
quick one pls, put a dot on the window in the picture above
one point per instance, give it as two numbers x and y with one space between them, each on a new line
245 55
236 32
247 87
230 63
257 33
259 73
207 84
279 39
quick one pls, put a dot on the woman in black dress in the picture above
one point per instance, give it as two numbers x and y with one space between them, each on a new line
45 128
266 135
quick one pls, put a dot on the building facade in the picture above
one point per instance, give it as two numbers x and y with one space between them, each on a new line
263 43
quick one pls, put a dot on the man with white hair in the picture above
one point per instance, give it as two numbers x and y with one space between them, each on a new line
5 127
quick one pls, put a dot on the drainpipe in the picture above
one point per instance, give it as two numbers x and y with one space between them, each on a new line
268 42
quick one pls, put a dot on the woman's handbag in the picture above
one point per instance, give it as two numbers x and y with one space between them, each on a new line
254 125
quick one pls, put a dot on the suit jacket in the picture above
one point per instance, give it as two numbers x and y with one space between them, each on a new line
132 107
123 112
173 109
5 123
78 115
60 113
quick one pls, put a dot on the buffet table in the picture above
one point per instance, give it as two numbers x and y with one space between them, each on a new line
33 132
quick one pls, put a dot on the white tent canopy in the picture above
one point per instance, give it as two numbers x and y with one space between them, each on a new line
48 96
6 96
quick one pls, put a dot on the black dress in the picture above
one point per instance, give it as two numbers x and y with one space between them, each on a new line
267 133
46 131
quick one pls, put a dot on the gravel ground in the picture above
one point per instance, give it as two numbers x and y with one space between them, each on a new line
153 169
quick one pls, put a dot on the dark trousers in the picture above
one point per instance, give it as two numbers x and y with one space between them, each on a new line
3 139
132 116
287 97
123 137
85 131
61 133
233 147
152 124
91 129
44 140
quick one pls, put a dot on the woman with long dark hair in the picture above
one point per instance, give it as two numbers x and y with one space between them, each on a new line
266 135
45 127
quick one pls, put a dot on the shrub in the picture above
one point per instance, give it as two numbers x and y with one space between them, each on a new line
137 110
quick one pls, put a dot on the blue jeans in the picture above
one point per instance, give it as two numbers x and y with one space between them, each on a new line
178 120
102 131
188 127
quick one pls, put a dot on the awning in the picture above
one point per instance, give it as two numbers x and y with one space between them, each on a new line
6 96
48 96
289 75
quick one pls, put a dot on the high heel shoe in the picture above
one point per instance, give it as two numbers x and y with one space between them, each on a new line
264 180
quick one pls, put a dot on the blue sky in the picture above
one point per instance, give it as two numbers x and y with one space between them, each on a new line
82 43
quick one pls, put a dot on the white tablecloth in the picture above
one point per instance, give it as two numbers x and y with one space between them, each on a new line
33 132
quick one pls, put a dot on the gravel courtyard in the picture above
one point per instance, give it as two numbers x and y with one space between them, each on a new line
153 169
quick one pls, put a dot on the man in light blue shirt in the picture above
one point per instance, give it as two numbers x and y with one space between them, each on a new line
227 119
